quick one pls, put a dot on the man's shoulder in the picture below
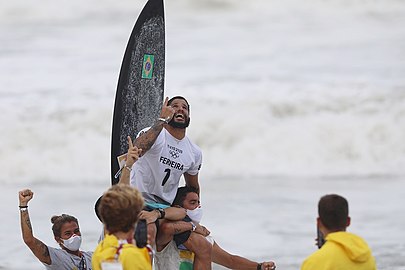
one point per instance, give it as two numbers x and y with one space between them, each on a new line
313 261
193 145
60 258
194 149
323 257
56 250
143 131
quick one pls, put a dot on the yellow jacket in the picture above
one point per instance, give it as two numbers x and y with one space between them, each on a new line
130 256
342 251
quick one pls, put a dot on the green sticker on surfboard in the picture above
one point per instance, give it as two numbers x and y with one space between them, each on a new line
147 67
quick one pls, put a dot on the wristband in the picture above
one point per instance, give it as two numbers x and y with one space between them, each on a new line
161 212
128 168
193 227
163 120
23 206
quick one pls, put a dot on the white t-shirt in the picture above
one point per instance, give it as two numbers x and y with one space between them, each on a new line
168 258
158 171
62 260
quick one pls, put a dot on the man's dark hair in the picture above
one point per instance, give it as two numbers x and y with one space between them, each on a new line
182 193
333 211
59 221
179 97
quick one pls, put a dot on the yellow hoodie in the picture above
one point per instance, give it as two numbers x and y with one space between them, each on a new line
130 256
342 251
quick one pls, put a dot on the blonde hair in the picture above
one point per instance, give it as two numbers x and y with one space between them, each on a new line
119 208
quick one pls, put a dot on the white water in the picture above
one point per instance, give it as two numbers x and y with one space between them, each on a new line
289 101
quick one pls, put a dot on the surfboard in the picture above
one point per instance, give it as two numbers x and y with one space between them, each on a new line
139 94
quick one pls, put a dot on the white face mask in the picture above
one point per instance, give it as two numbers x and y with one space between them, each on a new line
196 214
73 243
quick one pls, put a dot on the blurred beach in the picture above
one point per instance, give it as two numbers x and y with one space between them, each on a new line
289 101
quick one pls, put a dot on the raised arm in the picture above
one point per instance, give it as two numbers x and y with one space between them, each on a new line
222 257
132 156
147 139
37 247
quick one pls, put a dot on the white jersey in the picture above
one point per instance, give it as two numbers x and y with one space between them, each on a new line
157 173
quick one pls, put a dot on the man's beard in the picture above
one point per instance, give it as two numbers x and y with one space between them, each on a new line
179 124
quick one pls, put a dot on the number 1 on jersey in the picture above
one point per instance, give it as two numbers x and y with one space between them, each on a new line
167 171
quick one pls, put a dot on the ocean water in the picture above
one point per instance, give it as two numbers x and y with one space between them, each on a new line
290 100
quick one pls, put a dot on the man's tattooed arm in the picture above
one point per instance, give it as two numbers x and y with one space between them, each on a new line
37 247
147 139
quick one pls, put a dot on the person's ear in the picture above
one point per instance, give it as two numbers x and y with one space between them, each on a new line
320 225
58 240
348 222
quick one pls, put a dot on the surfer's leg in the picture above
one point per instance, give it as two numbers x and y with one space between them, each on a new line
165 235
202 251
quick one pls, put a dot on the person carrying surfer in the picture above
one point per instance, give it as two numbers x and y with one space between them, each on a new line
67 234
167 154
188 198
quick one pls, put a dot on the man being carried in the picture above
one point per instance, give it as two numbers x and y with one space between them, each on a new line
167 154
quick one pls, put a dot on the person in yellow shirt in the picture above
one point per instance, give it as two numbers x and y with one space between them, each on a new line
338 249
119 208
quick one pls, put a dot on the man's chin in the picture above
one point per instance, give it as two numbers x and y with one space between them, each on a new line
175 124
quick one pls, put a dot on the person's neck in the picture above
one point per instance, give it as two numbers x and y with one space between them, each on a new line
124 235
78 253
326 231
178 133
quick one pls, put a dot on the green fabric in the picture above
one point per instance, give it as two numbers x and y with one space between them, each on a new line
186 266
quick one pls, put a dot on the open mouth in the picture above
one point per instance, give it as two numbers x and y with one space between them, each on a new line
179 117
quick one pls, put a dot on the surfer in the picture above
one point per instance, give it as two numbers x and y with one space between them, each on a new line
167 154
119 208
188 198
342 250
67 234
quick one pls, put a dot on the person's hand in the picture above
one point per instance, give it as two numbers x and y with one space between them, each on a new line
150 217
268 265
201 230
25 196
167 111
133 153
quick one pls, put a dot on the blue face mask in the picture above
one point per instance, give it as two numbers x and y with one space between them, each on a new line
196 214
73 243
